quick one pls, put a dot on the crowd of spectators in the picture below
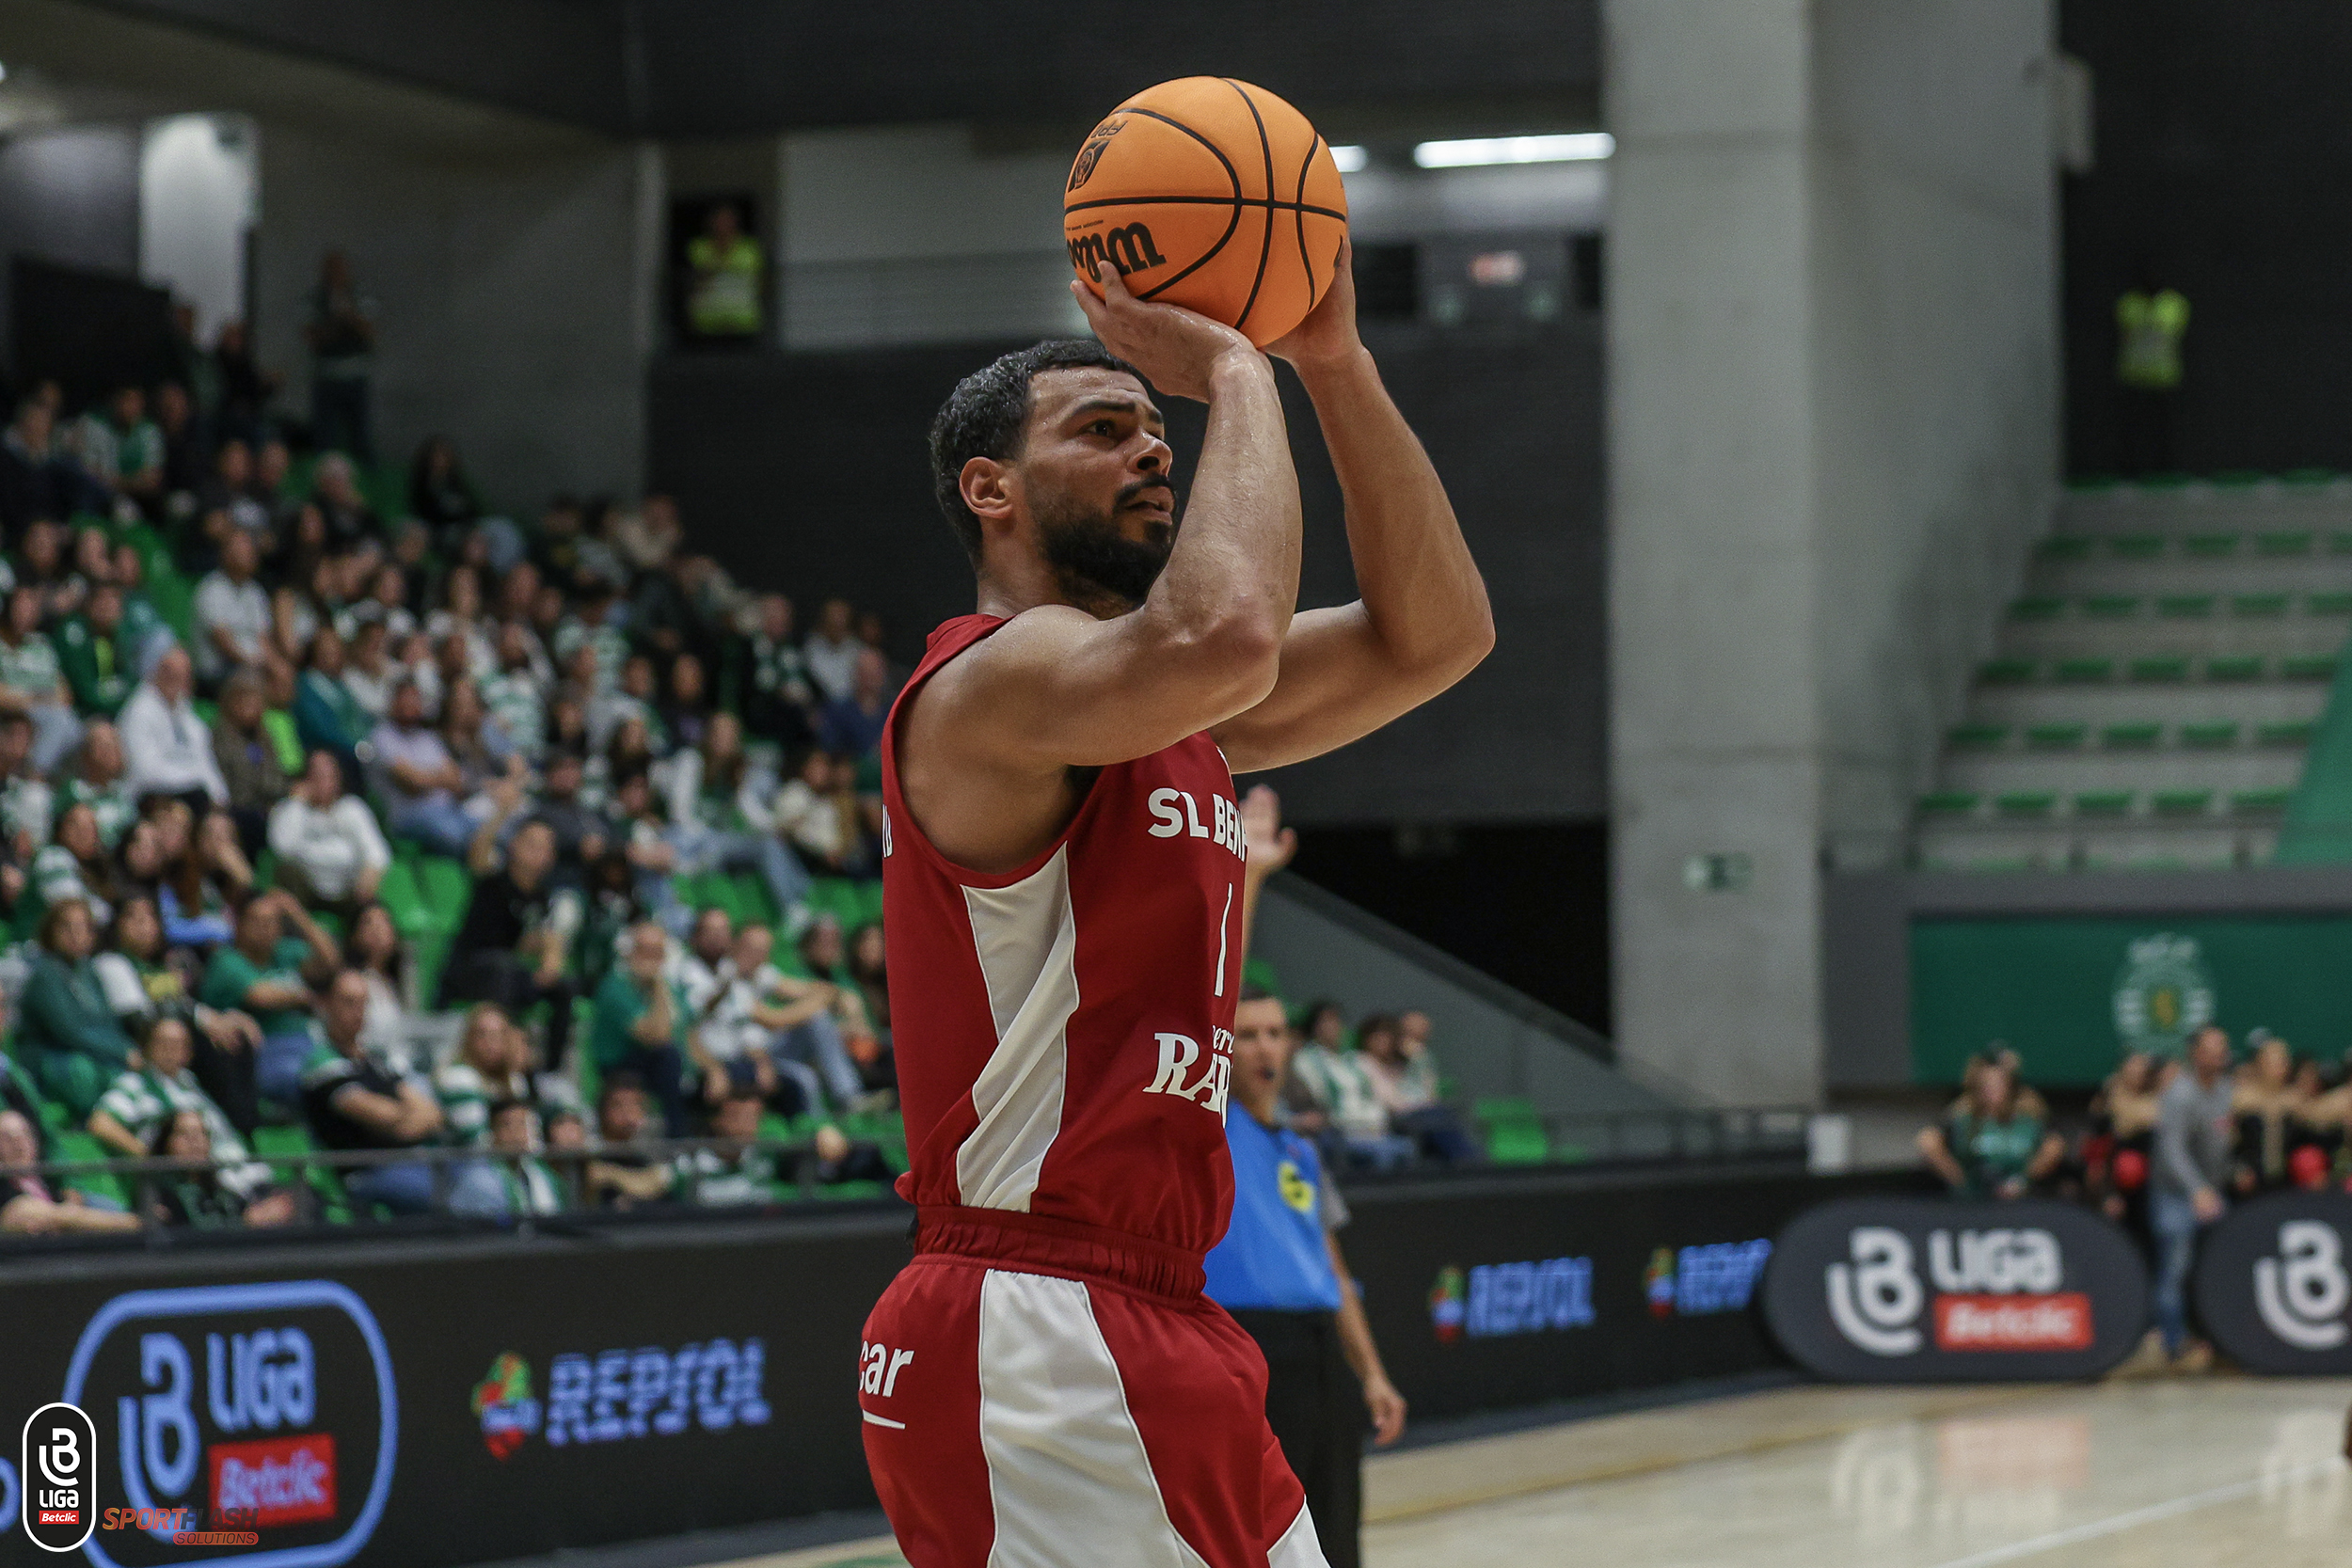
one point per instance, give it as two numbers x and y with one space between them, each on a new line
241 688
2164 1146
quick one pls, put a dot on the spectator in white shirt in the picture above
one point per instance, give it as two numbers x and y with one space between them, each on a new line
32 681
167 749
831 653
233 617
330 854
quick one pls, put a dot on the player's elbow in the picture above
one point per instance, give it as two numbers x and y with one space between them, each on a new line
1238 655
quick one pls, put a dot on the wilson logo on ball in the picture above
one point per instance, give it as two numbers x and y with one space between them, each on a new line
1128 247
1091 153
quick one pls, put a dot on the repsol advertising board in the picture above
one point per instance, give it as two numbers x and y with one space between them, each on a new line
1927 1290
2274 1284
1512 1289
416 1405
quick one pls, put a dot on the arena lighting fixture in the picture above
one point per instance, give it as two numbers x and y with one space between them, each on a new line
1581 147
1350 158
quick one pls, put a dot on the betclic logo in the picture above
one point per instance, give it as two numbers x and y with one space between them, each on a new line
61 1470
270 1404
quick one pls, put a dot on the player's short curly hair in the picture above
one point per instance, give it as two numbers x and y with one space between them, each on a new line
988 415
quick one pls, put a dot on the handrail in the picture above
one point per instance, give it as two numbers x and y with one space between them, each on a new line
1715 1132
802 1153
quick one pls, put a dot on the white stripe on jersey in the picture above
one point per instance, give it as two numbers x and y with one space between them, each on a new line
1026 938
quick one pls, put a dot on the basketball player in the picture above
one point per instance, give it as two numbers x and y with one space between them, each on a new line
1045 1384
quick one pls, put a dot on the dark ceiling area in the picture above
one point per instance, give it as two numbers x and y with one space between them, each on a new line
711 67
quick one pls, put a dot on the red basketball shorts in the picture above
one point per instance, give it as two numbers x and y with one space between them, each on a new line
1040 1395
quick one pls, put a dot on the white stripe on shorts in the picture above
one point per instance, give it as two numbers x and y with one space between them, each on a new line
1299 1547
1067 1470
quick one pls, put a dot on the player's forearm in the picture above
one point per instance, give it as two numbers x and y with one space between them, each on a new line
1231 582
1421 591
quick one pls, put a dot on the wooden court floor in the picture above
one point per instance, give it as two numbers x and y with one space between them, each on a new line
2211 1472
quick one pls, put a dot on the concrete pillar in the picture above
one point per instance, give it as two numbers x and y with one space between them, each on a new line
1832 428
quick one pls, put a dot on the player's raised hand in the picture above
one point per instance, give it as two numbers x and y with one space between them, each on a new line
1176 349
1271 844
1330 331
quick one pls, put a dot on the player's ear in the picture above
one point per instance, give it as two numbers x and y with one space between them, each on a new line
989 488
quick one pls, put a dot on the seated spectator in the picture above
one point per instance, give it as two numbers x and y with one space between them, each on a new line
354 1099
133 1112
98 781
460 617
630 699
370 673
141 986
32 682
1991 1146
440 494
482 753
652 858
1405 1076
330 854
869 973
233 613
269 974
122 448
29 1206
420 780
515 1181
97 655
582 835
143 627
1357 1124
817 1027
715 819
204 1199
489 1066
65 1032
167 748
830 655
247 759
623 1171
277 699
185 452
74 865
517 931
39 479
740 1173
335 490
230 497
373 953
43 566
816 813
514 694
203 884
326 717
27 804
852 725
778 703
639 1025
609 912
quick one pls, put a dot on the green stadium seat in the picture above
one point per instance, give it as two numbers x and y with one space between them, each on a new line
1514 1133
2238 479
2136 547
2181 803
2308 667
2236 667
2047 607
447 888
2329 603
1978 737
2026 802
2307 479
2209 737
2164 668
2103 804
2340 542
2006 671
71 1144
403 900
2209 546
2299 543
2056 737
1259 972
2063 548
2261 802
2131 738
2259 606
2083 671
1949 802
2111 607
2185 607
2297 732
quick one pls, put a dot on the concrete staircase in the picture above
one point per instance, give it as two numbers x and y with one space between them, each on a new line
2155 686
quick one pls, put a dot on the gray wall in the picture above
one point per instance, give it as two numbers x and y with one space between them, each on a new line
513 295
1831 306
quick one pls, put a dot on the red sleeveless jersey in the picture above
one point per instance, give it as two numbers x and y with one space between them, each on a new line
1064 1030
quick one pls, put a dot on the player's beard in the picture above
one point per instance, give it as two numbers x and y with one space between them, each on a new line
1093 560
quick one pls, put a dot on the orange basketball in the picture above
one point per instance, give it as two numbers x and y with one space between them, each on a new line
1213 195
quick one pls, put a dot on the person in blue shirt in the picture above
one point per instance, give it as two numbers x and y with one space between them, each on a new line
1280 1273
